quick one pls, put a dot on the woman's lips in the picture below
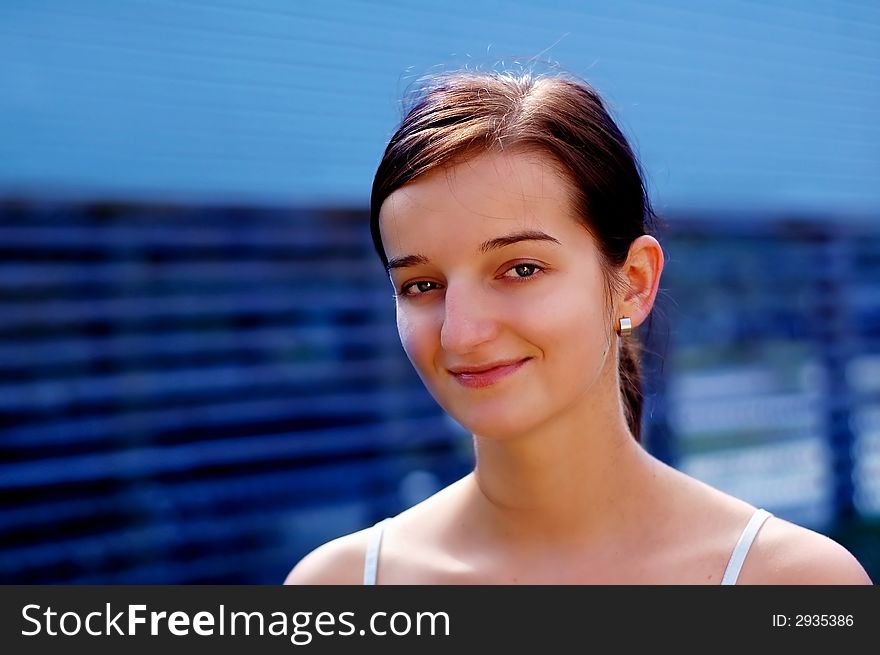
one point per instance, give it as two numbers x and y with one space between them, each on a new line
488 377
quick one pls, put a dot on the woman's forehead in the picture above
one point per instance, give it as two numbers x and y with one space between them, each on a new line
491 192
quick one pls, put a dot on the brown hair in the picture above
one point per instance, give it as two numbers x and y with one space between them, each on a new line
456 115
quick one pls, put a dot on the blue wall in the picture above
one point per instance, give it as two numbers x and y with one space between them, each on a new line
732 104
200 378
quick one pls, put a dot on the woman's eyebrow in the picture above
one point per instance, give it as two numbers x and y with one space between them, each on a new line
487 246
516 237
404 262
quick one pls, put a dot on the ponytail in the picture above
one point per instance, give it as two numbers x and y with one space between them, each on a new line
631 384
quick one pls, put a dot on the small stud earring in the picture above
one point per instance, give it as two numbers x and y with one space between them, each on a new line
625 327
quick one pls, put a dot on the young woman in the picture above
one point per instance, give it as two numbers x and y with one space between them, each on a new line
512 218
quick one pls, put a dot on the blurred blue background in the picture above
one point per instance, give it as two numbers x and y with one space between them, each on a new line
200 377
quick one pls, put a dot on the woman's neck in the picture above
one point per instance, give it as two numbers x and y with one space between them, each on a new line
578 478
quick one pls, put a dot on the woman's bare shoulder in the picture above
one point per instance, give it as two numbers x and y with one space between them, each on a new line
341 561
784 553
338 562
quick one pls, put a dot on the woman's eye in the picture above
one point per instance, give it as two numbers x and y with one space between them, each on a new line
420 288
520 272
524 270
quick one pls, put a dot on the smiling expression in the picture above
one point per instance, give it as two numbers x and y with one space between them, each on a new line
501 301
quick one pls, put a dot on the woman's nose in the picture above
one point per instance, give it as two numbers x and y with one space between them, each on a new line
468 320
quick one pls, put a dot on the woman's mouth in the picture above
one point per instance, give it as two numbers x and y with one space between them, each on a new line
475 377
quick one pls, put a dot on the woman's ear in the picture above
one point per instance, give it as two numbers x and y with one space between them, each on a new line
641 272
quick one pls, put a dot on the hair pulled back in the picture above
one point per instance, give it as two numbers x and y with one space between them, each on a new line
457 115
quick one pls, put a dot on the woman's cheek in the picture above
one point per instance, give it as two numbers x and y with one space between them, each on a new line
413 337
580 327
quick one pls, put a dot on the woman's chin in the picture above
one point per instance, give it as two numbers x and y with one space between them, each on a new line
499 417
493 425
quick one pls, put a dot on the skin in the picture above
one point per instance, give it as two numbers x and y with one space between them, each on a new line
561 492
553 449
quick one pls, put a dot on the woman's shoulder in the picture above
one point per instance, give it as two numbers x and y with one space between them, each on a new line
781 553
342 560
337 562
784 553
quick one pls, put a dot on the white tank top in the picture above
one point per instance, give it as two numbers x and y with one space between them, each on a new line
731 573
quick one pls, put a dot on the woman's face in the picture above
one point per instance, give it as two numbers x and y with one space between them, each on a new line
493 271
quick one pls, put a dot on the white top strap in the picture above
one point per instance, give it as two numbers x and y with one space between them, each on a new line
731 573
372 559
